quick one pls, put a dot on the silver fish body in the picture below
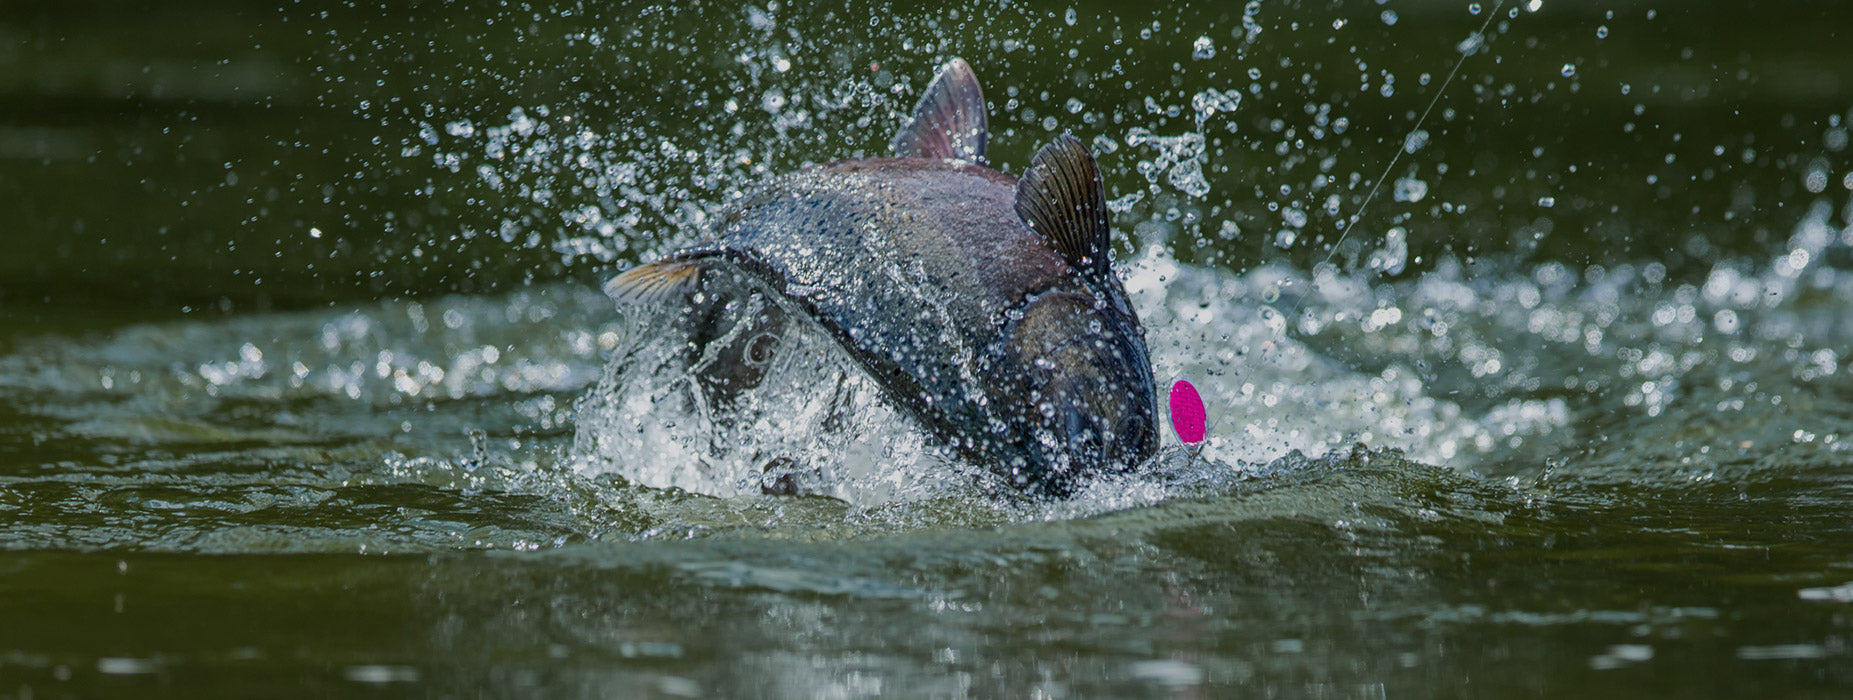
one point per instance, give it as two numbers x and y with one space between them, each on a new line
982 304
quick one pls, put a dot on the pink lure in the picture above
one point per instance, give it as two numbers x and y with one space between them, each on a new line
1186 412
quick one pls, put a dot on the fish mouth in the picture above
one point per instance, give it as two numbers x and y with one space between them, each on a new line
1107 442
1089 404
1087 434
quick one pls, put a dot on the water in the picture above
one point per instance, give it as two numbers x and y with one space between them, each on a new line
306 381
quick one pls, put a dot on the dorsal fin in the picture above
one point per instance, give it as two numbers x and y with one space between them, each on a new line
949 120
1062 199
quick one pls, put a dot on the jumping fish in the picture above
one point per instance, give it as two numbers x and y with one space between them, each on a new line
983 305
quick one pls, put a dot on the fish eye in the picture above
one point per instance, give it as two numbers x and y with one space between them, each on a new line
760 350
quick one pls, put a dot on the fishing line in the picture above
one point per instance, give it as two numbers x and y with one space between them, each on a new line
1473 43
1377 186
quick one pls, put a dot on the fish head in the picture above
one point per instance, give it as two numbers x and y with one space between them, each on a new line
1086 402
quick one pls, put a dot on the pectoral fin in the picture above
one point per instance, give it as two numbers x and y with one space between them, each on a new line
656 282
949 121
1062 199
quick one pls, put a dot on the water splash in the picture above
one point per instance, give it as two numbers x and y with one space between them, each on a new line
816 424
1482 366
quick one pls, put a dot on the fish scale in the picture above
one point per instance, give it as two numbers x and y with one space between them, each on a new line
970 302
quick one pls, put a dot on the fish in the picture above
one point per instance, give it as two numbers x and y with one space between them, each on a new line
984 305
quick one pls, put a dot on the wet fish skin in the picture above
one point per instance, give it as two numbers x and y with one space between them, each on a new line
923 272
1015 346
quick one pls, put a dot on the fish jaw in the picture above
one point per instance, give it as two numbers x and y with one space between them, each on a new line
1085 400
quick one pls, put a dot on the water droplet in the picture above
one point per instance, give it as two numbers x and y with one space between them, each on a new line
759 20
1124 204
1415 141
1816 179
1547 201
1602 32
1534 5
1569 69
1069 17
1205 48
1394 255
1410 189
1294 218
1473 8
1212 101
1835 139
1725 320
1389 17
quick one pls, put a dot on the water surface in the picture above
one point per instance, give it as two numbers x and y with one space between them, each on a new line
305 380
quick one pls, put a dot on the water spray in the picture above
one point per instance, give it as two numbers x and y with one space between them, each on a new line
1187 413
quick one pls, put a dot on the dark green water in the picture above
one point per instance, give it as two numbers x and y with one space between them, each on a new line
299 319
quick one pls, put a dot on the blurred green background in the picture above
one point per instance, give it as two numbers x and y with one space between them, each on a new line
163 158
